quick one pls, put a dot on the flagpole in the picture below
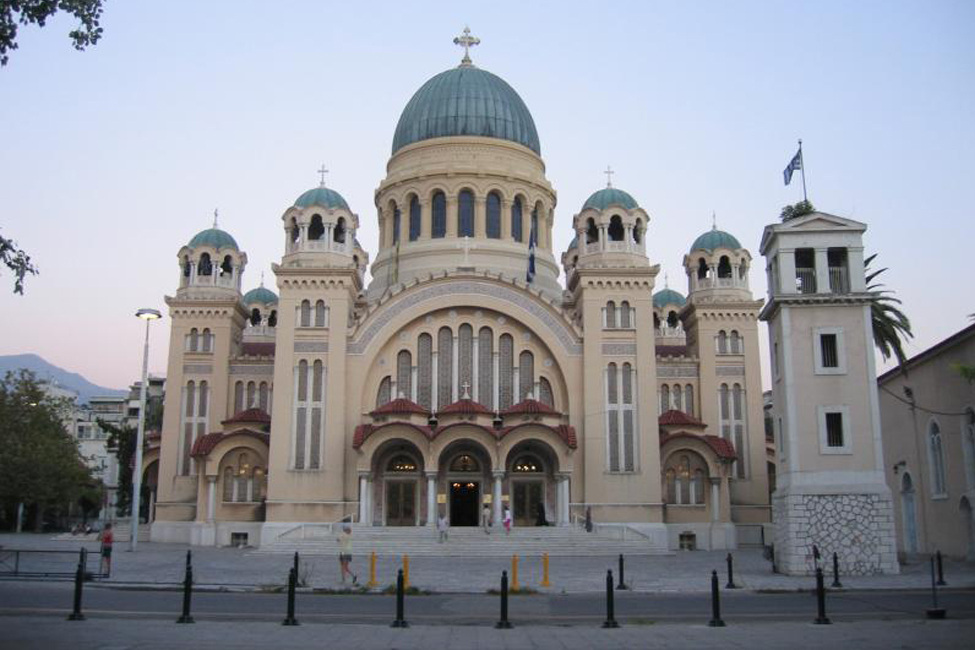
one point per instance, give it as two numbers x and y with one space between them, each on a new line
802 168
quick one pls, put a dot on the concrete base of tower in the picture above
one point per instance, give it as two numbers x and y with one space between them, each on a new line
856 524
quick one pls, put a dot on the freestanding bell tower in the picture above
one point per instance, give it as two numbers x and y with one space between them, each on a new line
831 490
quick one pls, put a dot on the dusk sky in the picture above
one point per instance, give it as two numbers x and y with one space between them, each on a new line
113 158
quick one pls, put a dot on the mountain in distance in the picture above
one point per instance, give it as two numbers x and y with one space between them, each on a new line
49 372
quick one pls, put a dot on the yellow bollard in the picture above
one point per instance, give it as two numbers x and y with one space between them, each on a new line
544 582
514 574
406 572
372 571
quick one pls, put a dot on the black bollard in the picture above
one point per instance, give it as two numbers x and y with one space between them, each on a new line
941 571
622 584
715 602
935 612
820 599
79 579
289 618
836 572
187 591
400 621
504 624
610 621
296 567
731 573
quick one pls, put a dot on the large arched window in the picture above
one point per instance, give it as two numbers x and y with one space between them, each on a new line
664 398
939 483
610 314
485 367
194 340
320 313
526 374
415 218
465 214
238 397
625 315
445 361
251 394
465 361
305 314
545 392
735 342
264 397
424 371
493 216
689 399
404 374
722 342
383 394
439 210
516 217
506 370
738 428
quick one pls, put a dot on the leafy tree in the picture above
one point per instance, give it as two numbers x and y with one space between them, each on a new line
17 261
891 327
40 465
121 440
800 209
27 12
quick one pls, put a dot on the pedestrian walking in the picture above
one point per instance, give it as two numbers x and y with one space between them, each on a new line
345 553
486 519
442 527
507 520
107 538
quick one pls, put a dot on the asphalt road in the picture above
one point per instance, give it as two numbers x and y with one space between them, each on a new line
55 599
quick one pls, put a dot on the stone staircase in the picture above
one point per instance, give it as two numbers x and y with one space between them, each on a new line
122 532
320 539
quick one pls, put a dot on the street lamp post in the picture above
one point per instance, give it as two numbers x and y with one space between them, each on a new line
148 315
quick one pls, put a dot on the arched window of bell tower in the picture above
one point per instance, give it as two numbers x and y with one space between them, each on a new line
272 320
672 319
415 218
227 266
205 267
187 266
339 232
702 269
317 229
255 317
592 232
616 232
516 217
534 231
638 231
295 231
397 217
465 214
724 267
493 225
439 215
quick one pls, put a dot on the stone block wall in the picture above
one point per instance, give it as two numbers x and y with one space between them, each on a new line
858 527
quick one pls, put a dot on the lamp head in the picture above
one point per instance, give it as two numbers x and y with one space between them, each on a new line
148 314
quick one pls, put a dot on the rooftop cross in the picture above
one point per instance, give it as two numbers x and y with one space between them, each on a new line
262 278
714 220
467 390
467 246
609 173
666 281
467 42
323 171
215 212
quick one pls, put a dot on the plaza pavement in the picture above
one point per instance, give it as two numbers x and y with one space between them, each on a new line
161 566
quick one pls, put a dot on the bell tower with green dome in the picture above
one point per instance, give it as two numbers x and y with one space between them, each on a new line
465 190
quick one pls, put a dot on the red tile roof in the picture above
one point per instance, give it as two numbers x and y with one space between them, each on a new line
250 416
205 444
363 431
675 417
671 350
465 407
564 431
722 447
400 406
530 406
257 349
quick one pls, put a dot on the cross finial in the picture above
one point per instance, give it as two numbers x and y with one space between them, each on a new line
609 173
467 393
714 220
215 214
323 171
262 278
467 41
666 281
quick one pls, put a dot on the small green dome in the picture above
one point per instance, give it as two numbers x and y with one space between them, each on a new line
713 239
213 237
574 243
261 295
668 297
466 101
610 196
323 197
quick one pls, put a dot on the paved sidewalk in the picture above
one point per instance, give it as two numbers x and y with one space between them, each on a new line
162 564
43 633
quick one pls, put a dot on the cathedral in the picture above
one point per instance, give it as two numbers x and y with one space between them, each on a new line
477 367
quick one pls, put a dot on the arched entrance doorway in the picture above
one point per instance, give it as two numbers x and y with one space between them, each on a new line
466 474
399 465
909 514
531 467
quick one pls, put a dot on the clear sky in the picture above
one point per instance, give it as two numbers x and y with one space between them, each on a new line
113 158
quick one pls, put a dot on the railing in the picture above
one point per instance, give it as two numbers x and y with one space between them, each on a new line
667 331
618 532
839 279
35 563
301 531
805 280
721 283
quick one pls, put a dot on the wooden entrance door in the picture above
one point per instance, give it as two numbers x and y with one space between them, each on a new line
400 503
527 496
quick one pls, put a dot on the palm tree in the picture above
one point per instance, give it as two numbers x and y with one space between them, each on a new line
891 327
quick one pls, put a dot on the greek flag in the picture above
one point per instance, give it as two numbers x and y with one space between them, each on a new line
794 165
530 275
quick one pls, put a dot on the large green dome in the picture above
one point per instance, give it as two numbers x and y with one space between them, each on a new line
610 196
323 197
261 295
466 101
713 239
668 296
213 237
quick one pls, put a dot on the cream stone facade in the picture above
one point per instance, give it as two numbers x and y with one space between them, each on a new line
831 491
465 372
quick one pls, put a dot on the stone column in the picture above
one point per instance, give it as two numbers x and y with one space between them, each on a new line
404 225
431 498
505 220
562 493
480 217
822 271
426 219
451 216
363 498
211 498
602 237
715 500
150 516
496 496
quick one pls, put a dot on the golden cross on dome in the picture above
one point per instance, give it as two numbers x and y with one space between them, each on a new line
467 42
323 171
609 173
